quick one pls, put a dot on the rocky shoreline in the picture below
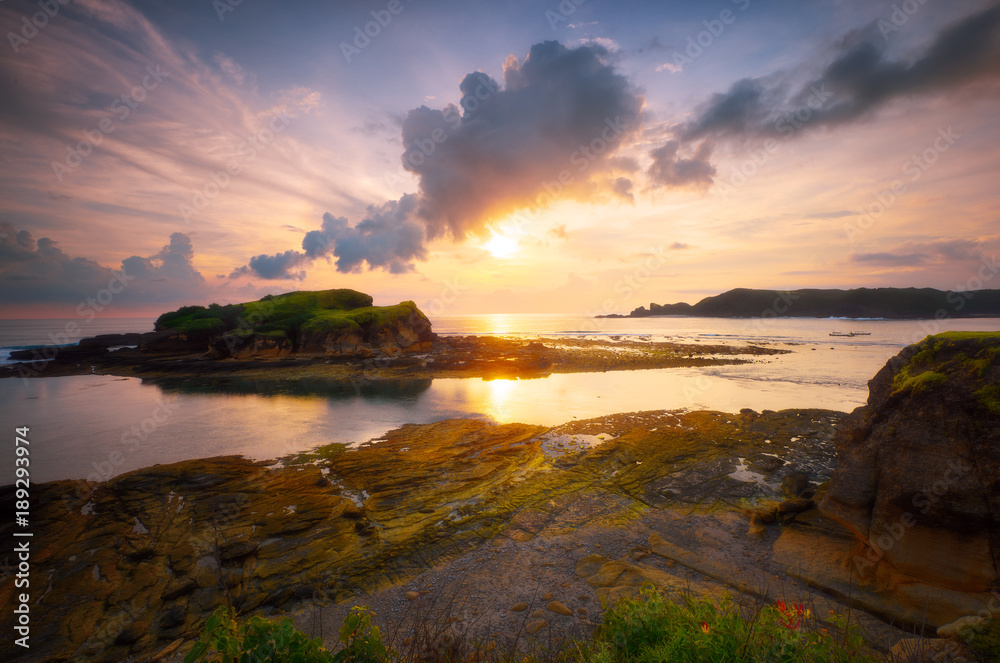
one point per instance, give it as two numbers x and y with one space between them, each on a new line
521 533
444 357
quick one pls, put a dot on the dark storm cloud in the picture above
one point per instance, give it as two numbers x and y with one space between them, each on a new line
859 80
552 130
39 271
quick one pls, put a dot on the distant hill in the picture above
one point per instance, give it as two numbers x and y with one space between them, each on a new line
891 303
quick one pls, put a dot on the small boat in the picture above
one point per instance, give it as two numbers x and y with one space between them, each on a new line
850 333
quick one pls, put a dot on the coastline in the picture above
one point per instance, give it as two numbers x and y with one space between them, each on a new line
449 357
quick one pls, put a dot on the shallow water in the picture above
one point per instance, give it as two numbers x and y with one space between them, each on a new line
99 426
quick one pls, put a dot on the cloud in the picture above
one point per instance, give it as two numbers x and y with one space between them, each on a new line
39 272
623 188
934 252
671 67
550 132
389 237
560 110
679 246
559 231
835 214
859 80
670 169
887 258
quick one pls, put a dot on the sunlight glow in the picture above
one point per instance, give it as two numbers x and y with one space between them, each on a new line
500 246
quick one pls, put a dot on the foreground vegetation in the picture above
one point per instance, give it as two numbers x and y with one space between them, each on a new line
649 629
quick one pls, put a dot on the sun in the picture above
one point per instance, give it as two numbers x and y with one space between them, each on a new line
500 246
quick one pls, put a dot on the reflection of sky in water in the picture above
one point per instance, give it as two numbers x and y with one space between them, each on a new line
80 425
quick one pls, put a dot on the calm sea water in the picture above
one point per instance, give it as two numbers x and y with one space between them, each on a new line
98 426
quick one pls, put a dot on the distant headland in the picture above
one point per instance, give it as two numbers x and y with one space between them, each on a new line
888 303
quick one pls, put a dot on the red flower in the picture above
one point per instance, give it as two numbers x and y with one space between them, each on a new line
704 627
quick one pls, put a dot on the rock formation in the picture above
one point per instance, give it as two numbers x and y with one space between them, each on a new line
339 323
918 483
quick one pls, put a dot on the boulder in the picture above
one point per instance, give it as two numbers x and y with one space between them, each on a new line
918 481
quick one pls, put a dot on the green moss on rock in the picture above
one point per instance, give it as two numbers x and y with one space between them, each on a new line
966 360
305 318
918 382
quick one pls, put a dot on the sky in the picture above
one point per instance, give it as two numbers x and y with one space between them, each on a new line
581 156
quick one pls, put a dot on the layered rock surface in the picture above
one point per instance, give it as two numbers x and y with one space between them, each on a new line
130 566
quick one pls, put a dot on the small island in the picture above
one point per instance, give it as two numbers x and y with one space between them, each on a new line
337 322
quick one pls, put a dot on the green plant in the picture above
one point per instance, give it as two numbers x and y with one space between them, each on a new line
654 629
984 638
257 640
261 640
361 640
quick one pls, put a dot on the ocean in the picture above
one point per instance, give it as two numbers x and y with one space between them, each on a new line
94 427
